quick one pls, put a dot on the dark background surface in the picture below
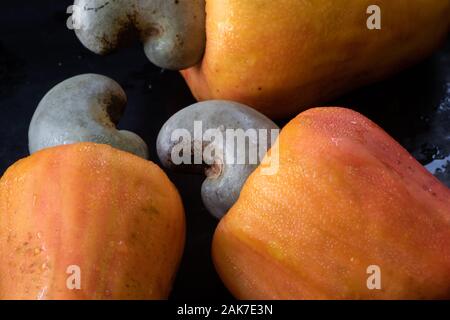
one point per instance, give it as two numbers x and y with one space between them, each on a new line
37 52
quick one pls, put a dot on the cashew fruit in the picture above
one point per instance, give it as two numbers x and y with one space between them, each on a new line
345 198
283 56
84 108
111 216
172 32
224 178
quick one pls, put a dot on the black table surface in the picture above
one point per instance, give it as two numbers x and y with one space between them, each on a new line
37 51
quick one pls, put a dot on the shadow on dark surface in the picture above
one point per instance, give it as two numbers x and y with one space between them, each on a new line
37 51
11 73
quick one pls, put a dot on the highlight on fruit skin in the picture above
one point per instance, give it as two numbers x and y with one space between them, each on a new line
281 57
112 216
346 197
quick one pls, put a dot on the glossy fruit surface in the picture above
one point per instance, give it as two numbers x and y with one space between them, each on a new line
115 216
283 56
346 197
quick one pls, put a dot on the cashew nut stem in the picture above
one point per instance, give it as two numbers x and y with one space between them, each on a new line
172 31
224 178
85 108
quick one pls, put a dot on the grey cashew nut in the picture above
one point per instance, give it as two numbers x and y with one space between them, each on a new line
85 108
172 31
226 159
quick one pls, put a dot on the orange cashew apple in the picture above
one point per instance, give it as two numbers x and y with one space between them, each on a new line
84 220
282 56
90 211
346 199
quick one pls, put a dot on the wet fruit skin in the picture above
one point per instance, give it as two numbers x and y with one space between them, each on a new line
283 56
346 196
116 216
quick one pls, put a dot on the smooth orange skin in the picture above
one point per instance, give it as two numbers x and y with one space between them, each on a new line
346 196
282 56
116 216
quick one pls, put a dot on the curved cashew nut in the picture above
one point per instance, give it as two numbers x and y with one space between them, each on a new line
84 108
173 31
221 137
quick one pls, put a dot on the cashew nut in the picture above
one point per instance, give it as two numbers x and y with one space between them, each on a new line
172 31
85 108
225 174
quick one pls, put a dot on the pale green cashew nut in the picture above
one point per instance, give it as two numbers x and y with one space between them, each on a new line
172 31
225 174
85 108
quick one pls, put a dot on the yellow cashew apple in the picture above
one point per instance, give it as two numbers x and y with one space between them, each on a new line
282 56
